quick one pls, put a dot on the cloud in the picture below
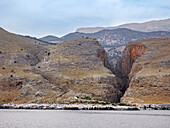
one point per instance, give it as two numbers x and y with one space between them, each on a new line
41 17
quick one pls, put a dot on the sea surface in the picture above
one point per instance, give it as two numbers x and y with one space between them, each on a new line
15 118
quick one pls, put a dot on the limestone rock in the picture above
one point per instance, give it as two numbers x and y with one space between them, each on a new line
145 69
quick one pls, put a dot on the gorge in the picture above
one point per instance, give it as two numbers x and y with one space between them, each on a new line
78 71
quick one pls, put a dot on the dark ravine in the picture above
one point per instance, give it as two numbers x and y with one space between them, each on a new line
124 65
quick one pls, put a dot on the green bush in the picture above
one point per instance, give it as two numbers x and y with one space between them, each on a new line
124 104
103 103
88 98
114 104
94 102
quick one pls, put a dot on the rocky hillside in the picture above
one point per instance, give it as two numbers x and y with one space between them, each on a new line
145 70
114 41
150 26
72 71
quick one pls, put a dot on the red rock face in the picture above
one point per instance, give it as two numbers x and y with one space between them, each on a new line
129 56
132 54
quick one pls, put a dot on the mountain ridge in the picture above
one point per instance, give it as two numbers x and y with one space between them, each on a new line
149 26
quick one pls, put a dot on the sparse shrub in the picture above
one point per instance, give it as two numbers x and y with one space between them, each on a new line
87 37
39 67
48 53
88 98
11 75
21 49
3 67
79 44
114 104
0 52
124 104
15 61
103 103
94 102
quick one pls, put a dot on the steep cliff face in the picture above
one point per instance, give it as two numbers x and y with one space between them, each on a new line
103 56
30 73
144 68
129 56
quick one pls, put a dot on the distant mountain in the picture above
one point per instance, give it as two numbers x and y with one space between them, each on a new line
35 40
114 41
155 25
51 39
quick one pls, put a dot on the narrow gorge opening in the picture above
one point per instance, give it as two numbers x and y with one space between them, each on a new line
124 65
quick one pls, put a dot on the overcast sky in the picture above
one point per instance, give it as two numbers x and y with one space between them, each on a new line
59 17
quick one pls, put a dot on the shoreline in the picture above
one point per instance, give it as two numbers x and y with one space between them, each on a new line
85 107
67 107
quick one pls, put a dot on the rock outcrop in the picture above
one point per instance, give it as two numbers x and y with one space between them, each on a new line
31 73
145 70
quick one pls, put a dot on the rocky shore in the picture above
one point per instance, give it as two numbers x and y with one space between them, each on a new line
85 107
67 107
155 106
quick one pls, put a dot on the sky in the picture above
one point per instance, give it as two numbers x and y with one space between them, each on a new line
39 18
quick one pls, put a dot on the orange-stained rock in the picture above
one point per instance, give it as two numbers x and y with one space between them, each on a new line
129 56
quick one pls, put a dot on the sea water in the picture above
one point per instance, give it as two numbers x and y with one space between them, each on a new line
18 118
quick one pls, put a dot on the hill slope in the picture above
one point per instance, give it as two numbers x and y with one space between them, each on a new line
147 64
31 73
